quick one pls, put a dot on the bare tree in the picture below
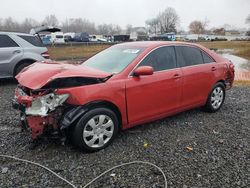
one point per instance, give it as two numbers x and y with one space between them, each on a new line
1 24
28 24
78 25
153 25
168 20
51 20
196 27
109 29
115 29
10 25
103 29
129 28
248 19
219 31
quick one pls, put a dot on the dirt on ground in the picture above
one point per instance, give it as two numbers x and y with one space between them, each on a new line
193 148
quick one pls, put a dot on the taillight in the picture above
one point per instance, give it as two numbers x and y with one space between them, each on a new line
231 66
45 55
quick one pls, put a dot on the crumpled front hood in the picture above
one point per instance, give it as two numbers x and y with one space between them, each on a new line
39 74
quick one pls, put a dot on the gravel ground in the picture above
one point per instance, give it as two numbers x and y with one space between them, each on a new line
194 149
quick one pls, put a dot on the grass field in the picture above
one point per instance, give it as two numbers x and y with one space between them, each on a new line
241 48
75 52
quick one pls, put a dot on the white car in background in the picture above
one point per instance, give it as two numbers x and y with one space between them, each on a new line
97 38
57 38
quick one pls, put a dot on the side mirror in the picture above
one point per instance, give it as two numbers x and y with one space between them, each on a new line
143 70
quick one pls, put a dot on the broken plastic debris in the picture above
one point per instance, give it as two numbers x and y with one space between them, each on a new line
215 132
189 148
221 141
4 170
146 145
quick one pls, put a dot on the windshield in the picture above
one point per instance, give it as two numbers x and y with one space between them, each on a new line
113 60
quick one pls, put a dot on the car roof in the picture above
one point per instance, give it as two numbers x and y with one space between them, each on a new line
153 44
14 33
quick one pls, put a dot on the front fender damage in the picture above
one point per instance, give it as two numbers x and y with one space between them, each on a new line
71 116
44 111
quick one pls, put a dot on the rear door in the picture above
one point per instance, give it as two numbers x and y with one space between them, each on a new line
198 74
10 54
153 95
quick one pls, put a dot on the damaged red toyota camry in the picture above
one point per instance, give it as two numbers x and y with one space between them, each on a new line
125 85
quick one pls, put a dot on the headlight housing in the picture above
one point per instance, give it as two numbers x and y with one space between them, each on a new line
47 103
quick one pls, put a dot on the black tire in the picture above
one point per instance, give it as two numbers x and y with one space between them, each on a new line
83 125
21 66
211 103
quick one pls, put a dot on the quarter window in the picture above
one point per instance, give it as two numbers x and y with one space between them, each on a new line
6 42
161 59
188 56
206 58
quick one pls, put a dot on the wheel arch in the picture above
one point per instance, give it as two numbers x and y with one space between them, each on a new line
221 81
26 60
73 115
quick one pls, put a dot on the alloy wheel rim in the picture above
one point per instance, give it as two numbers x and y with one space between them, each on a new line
98 131
217 97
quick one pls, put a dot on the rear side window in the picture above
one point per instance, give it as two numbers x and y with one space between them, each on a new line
206 58
35 41
188 56
6 42
161 59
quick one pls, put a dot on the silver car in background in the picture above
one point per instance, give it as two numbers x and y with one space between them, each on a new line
18 50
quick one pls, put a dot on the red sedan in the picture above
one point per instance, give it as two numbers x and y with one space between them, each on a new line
125 85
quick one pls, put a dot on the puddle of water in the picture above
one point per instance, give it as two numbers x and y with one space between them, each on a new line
242 66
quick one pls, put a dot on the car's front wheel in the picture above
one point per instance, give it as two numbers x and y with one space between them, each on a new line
96 129
216 98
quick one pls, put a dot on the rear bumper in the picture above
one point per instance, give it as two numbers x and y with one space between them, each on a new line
228 85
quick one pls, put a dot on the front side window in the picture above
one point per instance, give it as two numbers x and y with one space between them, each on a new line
161 59
6 42
114 59
188 56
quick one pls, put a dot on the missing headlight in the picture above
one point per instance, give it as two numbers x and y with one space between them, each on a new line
41 106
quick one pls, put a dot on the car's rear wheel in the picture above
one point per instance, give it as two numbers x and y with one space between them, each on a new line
216 98
96 129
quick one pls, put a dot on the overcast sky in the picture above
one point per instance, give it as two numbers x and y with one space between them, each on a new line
135 12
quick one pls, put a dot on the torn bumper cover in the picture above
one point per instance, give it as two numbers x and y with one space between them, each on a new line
39 112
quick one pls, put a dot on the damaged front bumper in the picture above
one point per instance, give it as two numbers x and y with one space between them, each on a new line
41 112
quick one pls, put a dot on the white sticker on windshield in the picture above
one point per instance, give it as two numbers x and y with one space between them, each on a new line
131 51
